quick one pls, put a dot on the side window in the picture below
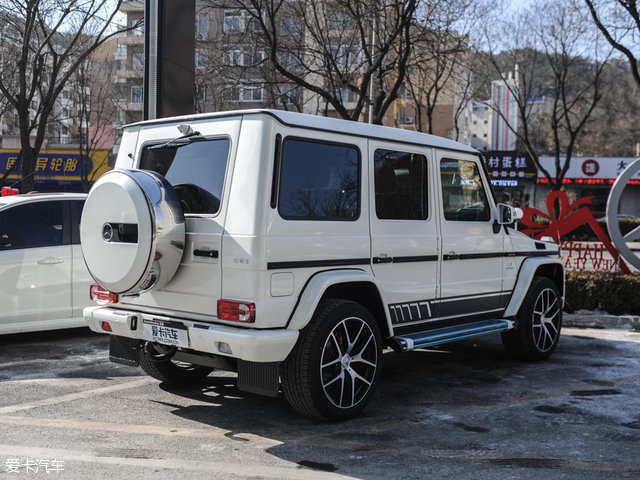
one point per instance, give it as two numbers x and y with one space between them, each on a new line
400 185
196 170
32 225
319 181
463 195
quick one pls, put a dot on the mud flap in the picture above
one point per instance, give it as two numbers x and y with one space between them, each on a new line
124 350
259 378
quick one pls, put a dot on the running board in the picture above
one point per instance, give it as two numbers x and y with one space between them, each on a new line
446 335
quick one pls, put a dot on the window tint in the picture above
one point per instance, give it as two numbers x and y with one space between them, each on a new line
401 185
32 225
319 181
463 195
196 171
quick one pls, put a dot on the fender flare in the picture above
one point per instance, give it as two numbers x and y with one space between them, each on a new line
528 270
317 285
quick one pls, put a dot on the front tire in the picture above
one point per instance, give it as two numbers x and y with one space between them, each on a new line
335 367
539 321
171 371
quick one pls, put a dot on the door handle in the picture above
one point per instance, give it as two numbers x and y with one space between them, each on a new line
382 259
206 253
50 261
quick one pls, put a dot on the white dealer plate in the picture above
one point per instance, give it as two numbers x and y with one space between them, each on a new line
166 333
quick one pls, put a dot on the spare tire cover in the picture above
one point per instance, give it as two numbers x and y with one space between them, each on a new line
132 231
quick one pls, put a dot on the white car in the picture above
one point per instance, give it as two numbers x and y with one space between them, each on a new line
44 281
292 249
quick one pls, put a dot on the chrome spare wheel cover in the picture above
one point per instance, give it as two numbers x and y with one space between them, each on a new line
546 320
132 231
613 207
349 362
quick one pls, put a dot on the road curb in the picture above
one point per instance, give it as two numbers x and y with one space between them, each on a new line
596 320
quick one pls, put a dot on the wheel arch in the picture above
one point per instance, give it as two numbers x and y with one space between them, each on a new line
355 285
531 267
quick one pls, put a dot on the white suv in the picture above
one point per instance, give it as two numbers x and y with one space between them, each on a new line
293 249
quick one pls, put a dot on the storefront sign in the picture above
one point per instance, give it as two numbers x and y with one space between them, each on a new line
57 165
508 166
590 171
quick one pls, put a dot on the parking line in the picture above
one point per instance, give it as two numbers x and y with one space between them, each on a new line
76 396
210 432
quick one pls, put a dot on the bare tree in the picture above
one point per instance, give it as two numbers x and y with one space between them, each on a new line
619 22
95 115
438 68
555 39
346 55
48 40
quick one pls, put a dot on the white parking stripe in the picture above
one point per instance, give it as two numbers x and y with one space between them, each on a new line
210 432
76 396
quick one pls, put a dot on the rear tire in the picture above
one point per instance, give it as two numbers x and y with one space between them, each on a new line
335 367
171 371
539 321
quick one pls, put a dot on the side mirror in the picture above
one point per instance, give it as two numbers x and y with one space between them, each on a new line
508 214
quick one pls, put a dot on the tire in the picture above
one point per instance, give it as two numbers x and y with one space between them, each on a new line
171 371
335 366
539 322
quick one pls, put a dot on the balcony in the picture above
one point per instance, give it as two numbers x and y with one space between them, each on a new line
132 6
131 39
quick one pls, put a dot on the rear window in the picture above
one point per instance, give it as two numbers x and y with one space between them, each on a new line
319 181
196 170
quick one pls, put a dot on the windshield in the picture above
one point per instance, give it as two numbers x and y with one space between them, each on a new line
196 170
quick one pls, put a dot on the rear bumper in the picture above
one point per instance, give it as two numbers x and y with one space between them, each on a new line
246 344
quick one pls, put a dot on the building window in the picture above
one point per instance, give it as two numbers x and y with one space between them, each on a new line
291 26
136 94
201 58
137 61
240 21
242 58
246 93
290 97
202 26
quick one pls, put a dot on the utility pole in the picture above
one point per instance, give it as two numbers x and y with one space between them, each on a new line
169 58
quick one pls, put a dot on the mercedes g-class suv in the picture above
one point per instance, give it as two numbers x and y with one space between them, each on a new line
293 249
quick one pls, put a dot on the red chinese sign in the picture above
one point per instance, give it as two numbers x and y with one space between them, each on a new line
570 217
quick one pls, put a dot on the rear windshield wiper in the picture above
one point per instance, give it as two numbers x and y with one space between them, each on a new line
180 141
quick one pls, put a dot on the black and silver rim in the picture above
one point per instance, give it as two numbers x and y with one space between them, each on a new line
349 362
546 320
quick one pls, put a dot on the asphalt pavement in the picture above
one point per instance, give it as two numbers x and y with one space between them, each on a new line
462 411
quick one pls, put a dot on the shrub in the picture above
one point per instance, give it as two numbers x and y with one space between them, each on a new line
614 293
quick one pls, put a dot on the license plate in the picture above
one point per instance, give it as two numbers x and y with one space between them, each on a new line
166 333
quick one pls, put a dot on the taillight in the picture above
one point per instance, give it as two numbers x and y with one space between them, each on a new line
8 191
236 311
102 296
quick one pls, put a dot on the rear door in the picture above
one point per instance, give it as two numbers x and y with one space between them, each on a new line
35 266
404 237
199 173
